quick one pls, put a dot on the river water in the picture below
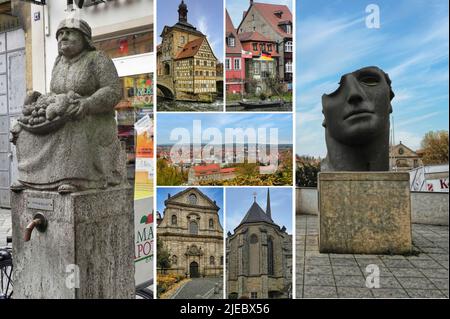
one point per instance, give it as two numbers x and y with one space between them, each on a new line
235 107
185 106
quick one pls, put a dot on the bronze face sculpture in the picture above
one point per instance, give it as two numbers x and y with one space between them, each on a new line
357 122
66 140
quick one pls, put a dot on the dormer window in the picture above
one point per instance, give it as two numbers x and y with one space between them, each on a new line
278 14
231 41
288 29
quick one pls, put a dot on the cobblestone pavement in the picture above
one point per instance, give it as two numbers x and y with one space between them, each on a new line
201 288
422 275
5 225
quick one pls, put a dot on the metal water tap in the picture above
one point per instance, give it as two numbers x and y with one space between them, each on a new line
39 222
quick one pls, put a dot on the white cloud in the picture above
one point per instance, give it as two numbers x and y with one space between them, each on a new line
412 140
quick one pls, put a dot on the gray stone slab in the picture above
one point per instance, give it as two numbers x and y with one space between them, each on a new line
346 292
324 270
343 262
346 270
398 263
350 281
427 264
319 292
389 282
440 283
340 256
299 292
392 257
422 293
319 280
318 261
406 272
389 293
416 283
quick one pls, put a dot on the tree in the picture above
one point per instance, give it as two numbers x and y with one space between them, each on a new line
307 171
167 175
435 147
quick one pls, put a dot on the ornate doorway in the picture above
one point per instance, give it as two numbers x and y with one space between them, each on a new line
193 270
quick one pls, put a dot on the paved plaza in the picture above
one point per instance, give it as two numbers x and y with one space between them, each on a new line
200 288
424 274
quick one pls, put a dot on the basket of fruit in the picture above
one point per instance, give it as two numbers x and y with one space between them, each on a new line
47 113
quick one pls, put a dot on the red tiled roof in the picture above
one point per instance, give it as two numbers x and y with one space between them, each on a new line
212 169
190 49
231 30
207 169
253 36
228 170
268 12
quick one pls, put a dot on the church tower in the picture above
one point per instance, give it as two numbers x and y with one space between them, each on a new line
182 12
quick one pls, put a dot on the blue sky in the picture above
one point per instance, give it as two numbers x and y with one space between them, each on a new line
411 45
283 122
207 16
214 193
237 7
240 199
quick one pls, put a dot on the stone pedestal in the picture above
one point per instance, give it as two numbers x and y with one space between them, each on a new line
87 250
364 213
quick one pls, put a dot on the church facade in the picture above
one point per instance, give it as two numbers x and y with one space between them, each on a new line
259 257
191 232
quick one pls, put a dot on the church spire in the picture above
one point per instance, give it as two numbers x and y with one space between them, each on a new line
268 210
182 12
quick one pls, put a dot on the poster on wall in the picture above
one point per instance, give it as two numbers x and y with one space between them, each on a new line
143 202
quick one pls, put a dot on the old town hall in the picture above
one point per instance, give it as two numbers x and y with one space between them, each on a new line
186 63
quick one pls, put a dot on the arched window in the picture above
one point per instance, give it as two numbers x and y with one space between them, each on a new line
221 260
174 260
166 69
254 255
211 223
193 228
270 267
174 220
212 260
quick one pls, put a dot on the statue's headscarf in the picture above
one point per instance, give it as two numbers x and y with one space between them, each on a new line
79 25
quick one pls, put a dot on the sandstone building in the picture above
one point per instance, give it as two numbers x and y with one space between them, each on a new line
186 63
190 230
402 158
259 257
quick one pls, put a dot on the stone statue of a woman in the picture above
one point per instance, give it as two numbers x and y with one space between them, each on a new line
66 140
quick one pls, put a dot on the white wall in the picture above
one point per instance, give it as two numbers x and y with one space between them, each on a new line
104 18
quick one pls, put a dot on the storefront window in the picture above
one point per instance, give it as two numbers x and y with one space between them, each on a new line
126 45
137 101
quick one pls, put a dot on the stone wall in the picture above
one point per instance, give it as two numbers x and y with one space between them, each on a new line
429 208
306 201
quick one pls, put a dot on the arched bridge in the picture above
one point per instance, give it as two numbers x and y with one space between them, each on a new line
165 84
